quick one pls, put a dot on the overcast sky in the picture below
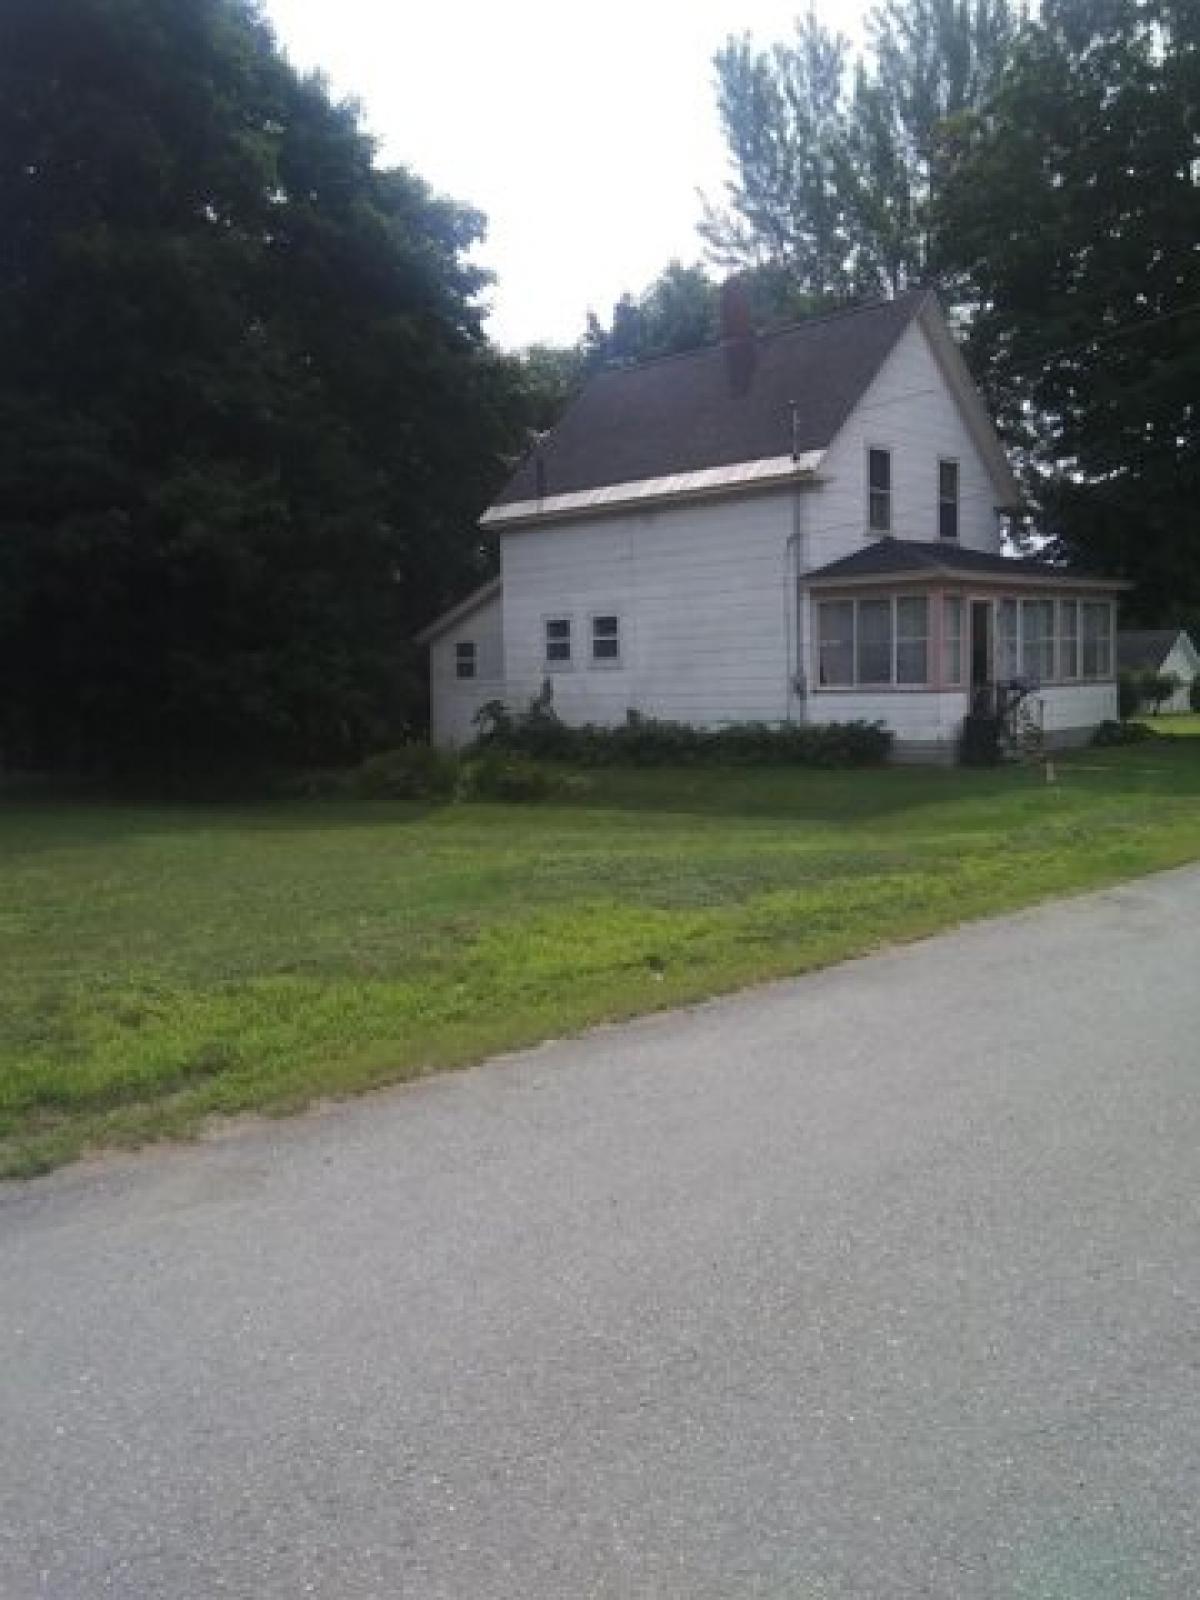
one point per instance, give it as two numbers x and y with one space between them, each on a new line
582 132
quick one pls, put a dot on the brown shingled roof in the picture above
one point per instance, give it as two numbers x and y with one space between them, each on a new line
713 407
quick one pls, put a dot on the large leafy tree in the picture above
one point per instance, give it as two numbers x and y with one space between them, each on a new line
1073 211
247 410
836 172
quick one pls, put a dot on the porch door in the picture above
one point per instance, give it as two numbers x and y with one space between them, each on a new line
981 644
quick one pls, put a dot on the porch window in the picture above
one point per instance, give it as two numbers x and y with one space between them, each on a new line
879 491
558 641
880 643
606 641
948 499
1037 640
1097 638
1068 638
1008 661
952 639
912 639
465 659
835 633
874 638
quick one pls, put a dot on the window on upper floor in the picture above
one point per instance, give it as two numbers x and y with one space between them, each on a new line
558 641
948 499
466 659
606 640
879 490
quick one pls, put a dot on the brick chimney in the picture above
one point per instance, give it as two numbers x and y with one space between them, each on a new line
737 334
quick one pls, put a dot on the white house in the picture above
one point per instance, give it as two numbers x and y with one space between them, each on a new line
796 526
1161 651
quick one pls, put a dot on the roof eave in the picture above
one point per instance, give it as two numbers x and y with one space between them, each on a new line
472 602
738 477
960 575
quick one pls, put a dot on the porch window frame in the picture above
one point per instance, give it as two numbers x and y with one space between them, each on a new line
957 637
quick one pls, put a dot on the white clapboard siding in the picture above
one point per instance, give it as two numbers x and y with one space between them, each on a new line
910 410
453 700
701 594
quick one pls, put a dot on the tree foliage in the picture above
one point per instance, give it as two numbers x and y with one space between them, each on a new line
247 412
836 172
1073 209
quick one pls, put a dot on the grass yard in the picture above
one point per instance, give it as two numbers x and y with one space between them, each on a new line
158 966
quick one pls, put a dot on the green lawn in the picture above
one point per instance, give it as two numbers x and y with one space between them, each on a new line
160 965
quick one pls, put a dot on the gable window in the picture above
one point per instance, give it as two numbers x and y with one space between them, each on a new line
465 659
879 490
948 499
1097 638
952 639
606 640
1037 640
558 641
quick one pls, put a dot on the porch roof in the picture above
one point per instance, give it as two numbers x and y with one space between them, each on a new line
909 559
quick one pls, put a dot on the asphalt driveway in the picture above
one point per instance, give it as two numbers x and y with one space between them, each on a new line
885 1282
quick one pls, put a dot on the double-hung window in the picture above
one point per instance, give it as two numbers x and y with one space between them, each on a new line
606 641
466 659
873 658
558 641
912 639
1008 656
835 644
948 499
1037 640
1068 639
879 490
1097 638
952 639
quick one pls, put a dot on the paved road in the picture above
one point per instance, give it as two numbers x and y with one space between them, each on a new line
885 1283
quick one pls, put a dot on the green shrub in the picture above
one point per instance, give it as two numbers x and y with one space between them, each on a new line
649 742
503 775
410 772
1194 693
1111 733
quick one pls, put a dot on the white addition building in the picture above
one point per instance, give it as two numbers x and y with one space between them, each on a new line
796 526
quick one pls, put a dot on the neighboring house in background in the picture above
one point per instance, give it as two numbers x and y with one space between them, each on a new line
1161 650
797 526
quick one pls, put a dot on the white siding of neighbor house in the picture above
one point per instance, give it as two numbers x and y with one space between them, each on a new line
1181 663
908 409
453 700
701 592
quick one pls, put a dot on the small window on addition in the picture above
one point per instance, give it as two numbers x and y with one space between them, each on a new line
558 641
948 499
465 659
606 640
879 491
